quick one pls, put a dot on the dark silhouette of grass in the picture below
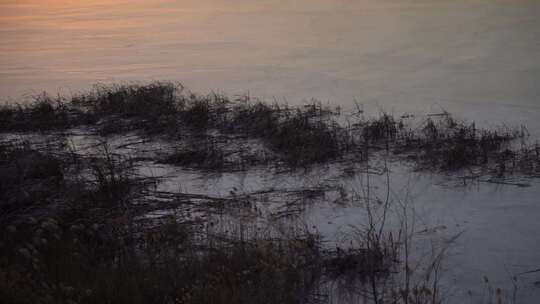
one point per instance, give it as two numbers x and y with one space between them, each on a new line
75 228
449 145
29 179
303 136
300 136
155 99
89 243
43 114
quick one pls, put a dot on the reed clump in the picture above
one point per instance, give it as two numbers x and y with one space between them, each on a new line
43 113
297 136
303 136
449 145
150 107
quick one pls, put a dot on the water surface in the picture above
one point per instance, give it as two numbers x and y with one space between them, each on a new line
477 58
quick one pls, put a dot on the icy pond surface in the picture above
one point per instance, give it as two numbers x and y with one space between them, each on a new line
496 224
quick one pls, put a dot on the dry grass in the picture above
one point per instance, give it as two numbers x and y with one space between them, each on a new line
90 242
300 136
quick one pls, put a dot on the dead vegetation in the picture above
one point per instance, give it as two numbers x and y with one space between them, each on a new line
75 230
298 137
86 228
450 145
44 113
28 179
